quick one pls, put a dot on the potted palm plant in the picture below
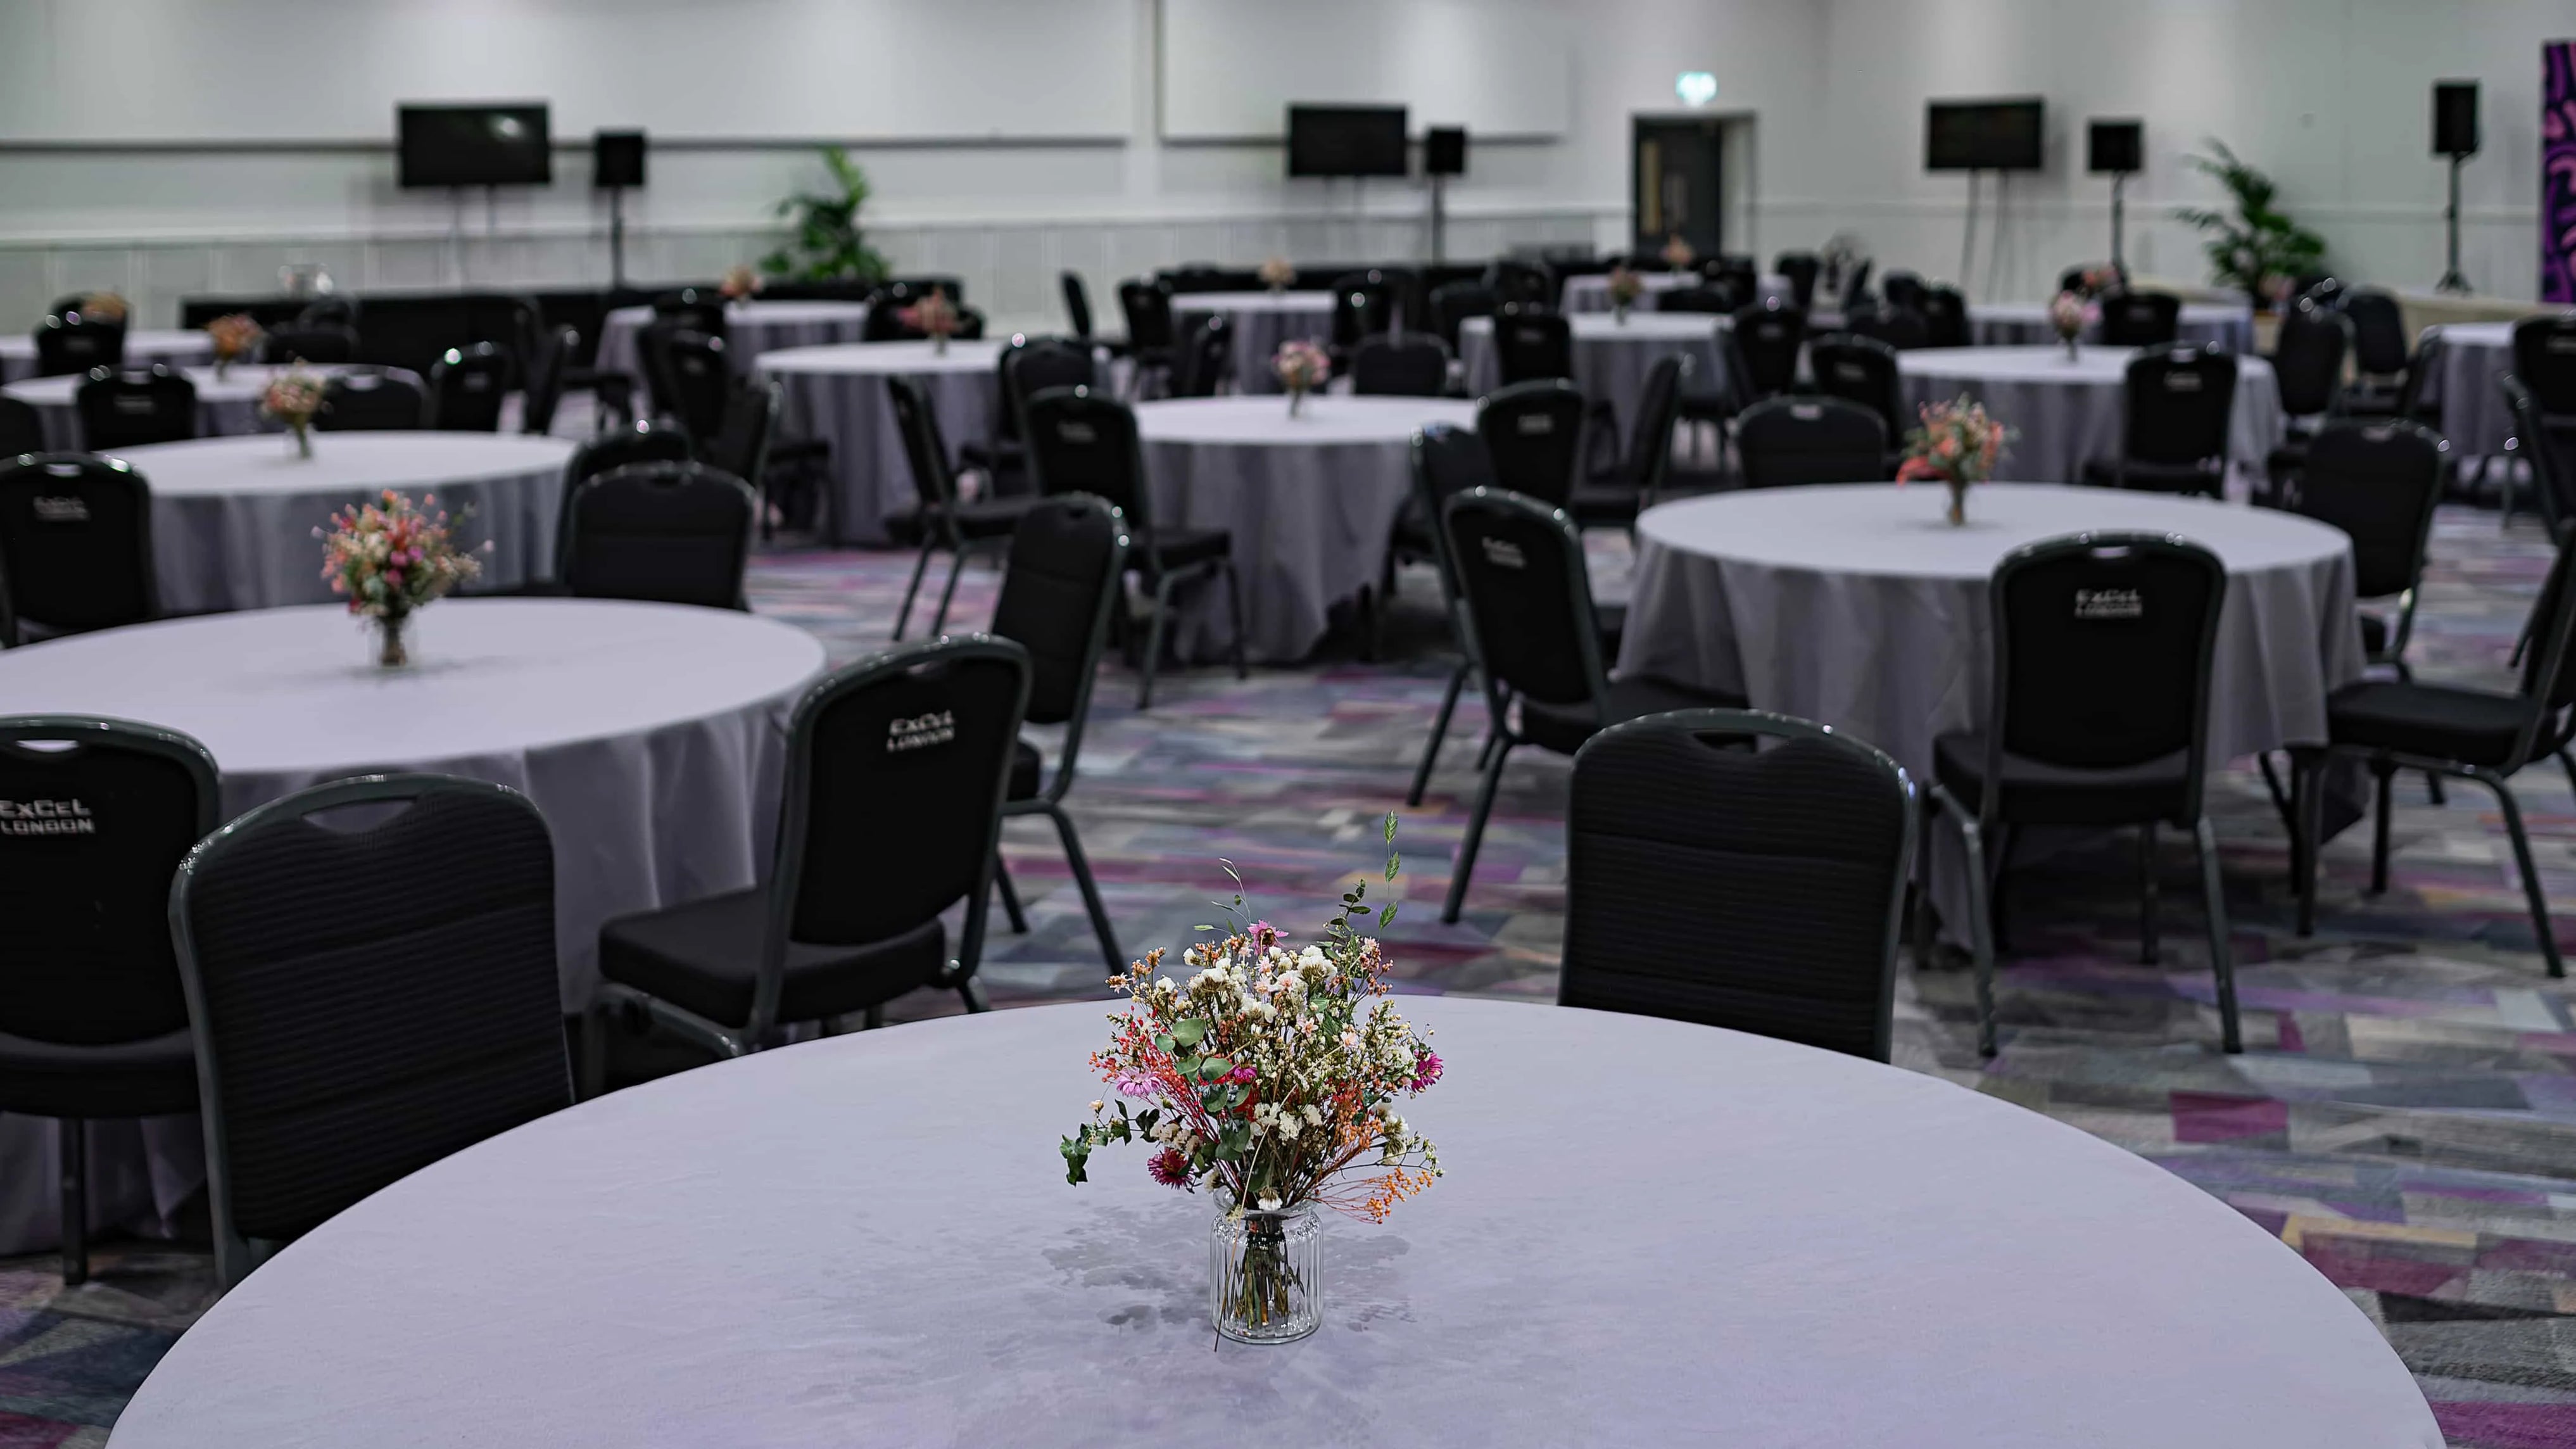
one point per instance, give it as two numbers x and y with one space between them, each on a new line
826 244
2256 248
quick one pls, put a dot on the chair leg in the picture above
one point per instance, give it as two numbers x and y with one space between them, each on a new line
2147 894
1154 641
2222 954
948 595
2308 787
2379 828
1923 886
1234 613
2565 762
2433 785
1439 730
1465 865
903 616
873 1018
71 1136
1981 935
1010 896
1090 891
594 1051
971 991
2531 890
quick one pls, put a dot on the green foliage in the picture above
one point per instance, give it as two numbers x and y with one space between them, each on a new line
2257 244
826 244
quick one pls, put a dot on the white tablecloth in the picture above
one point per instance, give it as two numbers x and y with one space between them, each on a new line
839 394
751 328
1611 357
226 407
2228 326
2475 355
143 347
1590 292
2069 410
233 518
1311 502
1260 322
869 1241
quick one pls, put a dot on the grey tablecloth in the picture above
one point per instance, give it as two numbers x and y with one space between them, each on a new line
1311 502
751 328
839 394
1611 357
2069 411
143 346
1261 321
2227 326
2475 355
226 407
869 1241
233 518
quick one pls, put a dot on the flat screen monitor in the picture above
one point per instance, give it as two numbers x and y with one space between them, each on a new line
1346 141
502 145
1982 135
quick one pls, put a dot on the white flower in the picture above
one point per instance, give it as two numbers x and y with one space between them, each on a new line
1097 1104
1314 1118
1288 1129
1270 1204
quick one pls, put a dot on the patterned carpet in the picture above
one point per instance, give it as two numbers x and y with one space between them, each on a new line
2404 1116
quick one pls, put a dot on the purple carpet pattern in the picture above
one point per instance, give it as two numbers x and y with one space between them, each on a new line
2404 1115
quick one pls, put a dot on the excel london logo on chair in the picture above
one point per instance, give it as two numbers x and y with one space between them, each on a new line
46 817
920 731
2110 604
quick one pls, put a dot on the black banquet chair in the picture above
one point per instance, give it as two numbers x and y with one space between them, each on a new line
320 344
134 407
2307 371
1151 339
946 522
1612 496
93 1024
1532 346
1200 364
2544 447
1762 891
1533 434
67 344
1782 442
373 399
22 428
671 533
1400 364
2141 319
1762 351
1862 370
2176 405
2098 717
339 1051
75 546
467 386
924 734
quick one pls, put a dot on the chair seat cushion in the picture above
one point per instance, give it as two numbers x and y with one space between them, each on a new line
2472 726
1180 548
1028 771
2152 477
981 519
1603 504
126 1079
702 957
2037 793
1564 727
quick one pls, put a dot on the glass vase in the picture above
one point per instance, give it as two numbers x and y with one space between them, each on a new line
1264 1273
1958 500
2071 353
303 439
1296 400
392 639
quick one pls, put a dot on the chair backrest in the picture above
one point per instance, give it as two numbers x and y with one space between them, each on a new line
1762 349
1530 345
22 428
1903 290
1447 461
1761 892
599 453
1735 274
1801 268
100 813
1861 370
1785 441
2178 403
2102 649
1452 303
2377 479
334 311
2307 361
76 542
2141 319
1945 317
1400 364
2421 369
348 1035
1715 301
2548 653
1148 308
2544 357
550 355
696 377
693 309
1533 434
673 533
1058 587
1516 281
2553 480
466 388
1363 306
373 398
1028 370
925 452
1527 597
325 343
1902 328
741 442
132 407
914 288
1077 304
1656 411
1081 440
2378 331
67 344
1856 286
1201 367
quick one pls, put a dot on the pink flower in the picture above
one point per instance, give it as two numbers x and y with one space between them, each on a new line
1916 470
1243 1073
1169 1168
1427 1071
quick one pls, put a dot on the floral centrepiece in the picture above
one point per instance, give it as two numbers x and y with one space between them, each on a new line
1625 288
295 398
2070 313
740 283
390 560
1301 366
235 336
934 317
1268 1078
1677 254
1956 445
1278 274
106 307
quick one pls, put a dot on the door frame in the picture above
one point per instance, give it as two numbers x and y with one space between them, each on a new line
1738 221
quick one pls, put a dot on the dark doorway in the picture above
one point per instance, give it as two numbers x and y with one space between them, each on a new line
1677 182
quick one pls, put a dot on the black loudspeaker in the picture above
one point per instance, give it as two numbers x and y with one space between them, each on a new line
1444 151
2116 147
617 158
2455 118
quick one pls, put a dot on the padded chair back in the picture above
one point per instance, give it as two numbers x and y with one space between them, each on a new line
2544 357
1200 370
67 344
1856 286
76 542
2421 369
1402 364
1077 304
2141 319
348 1035
2307 362
2378 331
1786 441
550 356
2179 401
373 399
2102 648
1762 350
1861 370
328 344
1902 328
606 453
1945 317
1734 275
2549 652
1518 282
1530 346
925 451
2377 480
134 407
1028 370
1447 461
1528 597
1452 303
1083 441
1903 291
1802 269
672 533
1533 434
696 378
328 312
1148 307
1761 892
692 309
1363 307
466 387
22 428
1658 410
2553 481
1058 586
1709 300
741 442
100 813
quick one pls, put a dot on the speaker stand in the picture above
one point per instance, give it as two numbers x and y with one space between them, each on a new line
1968 233
617 238
2452 282
2119 267
1439 221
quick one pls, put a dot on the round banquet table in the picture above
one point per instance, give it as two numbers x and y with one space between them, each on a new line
804 1247
2229 327
1311 501
233 518
839 394
226 407
1611 357
1590 292
143 346
2474 356
751 328
1260 322
2069 410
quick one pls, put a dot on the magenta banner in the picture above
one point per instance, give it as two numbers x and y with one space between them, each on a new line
2558 171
